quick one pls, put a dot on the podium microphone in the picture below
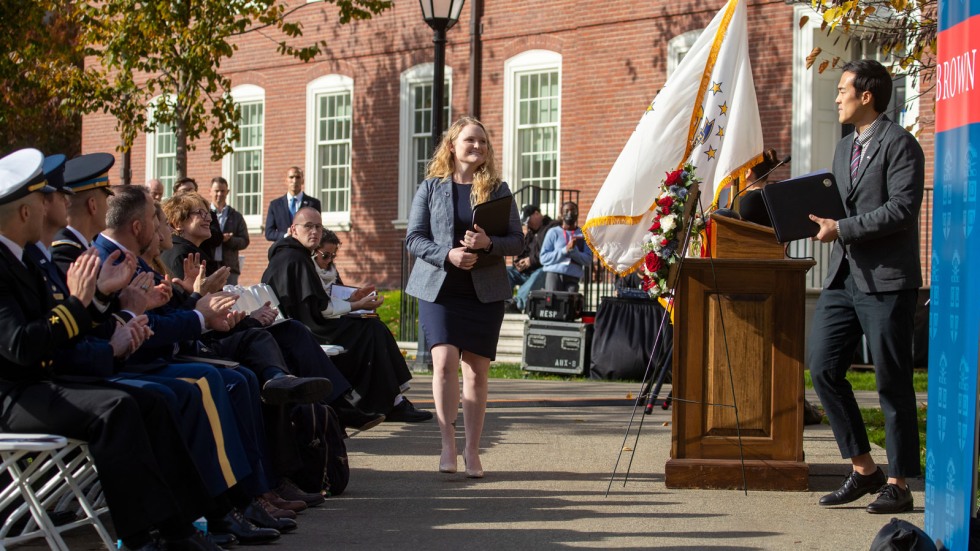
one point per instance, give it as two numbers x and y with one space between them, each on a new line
786 160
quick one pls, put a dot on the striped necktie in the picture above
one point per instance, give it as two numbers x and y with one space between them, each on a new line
855 160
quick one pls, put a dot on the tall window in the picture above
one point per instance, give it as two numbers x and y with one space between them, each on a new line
161 153
243 168
330 106
415 131
532 115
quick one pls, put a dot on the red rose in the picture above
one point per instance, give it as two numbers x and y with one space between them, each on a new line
666 202
663 242
653 263
655 226
648 284
674 177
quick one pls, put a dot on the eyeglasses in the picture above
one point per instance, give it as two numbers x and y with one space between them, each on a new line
310 226
325 255
203 213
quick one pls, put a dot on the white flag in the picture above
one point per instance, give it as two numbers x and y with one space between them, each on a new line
706 113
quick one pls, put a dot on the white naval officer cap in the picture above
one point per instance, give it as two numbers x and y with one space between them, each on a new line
21 173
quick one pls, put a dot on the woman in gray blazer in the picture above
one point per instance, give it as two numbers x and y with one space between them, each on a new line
461 294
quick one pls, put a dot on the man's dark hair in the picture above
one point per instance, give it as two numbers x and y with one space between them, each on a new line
219 180
329 238
127 203
871 76
186 180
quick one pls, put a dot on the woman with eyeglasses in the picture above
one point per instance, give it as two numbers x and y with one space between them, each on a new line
324 255
189 216
460 280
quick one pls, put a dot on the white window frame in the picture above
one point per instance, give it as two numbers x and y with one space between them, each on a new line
407 183
678 47
246 93
529 61
151 150
328 84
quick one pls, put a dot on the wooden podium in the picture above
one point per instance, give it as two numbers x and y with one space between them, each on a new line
746 305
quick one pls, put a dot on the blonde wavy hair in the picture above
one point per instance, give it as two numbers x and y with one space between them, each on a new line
486 180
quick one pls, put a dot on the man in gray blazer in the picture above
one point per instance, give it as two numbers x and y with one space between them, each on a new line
871 288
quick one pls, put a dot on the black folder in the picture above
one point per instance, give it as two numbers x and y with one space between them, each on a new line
493 217
790 202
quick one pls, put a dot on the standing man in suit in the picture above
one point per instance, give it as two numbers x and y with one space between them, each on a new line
234 231
871 288
283 209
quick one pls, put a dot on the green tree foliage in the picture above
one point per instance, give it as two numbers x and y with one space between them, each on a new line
36 43
138 50
903 31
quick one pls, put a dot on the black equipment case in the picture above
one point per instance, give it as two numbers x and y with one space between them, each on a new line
555 305
557 347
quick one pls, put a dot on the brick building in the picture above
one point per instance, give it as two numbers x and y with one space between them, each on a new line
560 84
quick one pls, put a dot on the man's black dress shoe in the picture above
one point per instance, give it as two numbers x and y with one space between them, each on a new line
236 524
855 486
353 418
223 540
258 516
405 412
892 499
287 389
288 490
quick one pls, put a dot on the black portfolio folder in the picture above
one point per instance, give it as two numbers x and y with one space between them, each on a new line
494 215
790 203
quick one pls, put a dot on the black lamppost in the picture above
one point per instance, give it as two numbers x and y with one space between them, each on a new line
441 15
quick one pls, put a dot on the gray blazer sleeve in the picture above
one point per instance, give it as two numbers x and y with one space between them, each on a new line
420 239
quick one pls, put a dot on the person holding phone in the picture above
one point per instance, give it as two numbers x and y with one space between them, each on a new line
461 302
564 253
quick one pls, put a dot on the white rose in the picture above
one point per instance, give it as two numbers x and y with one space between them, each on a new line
668 223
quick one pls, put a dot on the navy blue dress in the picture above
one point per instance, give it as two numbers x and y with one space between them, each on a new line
457 317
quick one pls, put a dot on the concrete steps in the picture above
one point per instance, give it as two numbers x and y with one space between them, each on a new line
510 347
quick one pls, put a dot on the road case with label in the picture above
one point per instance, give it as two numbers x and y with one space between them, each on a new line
557 347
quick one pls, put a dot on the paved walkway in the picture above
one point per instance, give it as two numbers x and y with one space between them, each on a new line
549 449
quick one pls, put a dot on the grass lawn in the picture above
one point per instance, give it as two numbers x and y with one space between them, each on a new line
865 380
389 312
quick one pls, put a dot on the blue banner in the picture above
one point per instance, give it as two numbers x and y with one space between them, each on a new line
954 310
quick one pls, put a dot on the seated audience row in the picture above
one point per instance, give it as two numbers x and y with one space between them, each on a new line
114 313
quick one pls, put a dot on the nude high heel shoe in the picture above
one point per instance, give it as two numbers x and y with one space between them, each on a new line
474 472
446 465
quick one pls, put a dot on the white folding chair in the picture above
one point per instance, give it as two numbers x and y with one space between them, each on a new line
55 477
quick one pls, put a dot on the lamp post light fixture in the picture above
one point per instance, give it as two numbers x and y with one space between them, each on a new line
441 15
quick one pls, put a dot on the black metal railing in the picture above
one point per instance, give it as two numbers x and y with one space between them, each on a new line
549 200
408 306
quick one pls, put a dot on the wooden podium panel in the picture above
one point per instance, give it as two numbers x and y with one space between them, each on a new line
759 306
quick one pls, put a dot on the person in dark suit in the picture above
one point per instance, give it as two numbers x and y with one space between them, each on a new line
871 288
145 471
283 209
234 231
461 294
